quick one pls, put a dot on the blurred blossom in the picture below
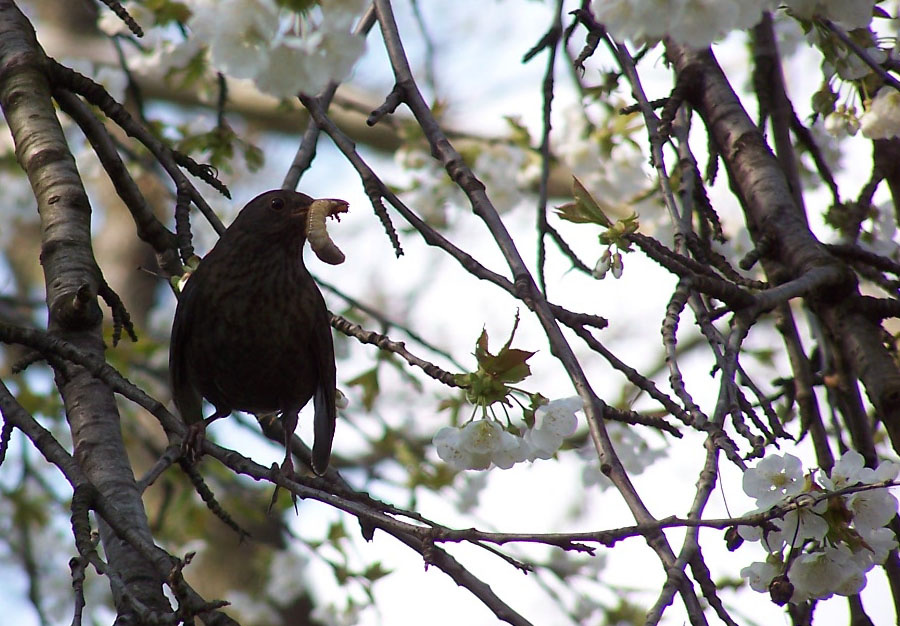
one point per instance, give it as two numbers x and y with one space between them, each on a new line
821 574
282 52
614 174
759 574
482 443
695 23
632 449
110 23
881 119
239 34
850 14
842 122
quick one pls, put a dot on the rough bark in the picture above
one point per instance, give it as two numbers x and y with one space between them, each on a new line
72 281
777 225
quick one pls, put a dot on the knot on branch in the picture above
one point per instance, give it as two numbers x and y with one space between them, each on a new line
76 309
457 169
83 498
390 104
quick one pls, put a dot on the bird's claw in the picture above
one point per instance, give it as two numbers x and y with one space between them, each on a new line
286 471
192 445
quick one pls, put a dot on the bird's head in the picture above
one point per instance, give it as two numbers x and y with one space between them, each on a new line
291 217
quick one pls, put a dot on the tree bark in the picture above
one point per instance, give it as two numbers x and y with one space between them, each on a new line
72 282
778 227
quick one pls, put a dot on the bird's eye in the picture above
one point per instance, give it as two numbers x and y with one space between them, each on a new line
277 204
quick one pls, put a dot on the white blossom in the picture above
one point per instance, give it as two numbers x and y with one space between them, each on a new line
774 478
481 443
512 449
541 444
842 122
800 525
850 14
692 22
882 118
558 416
480 436
633 451
823 573
239 34
825 564
447 442
759 575
872 509
879 543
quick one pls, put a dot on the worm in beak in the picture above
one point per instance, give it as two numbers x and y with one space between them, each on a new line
317 233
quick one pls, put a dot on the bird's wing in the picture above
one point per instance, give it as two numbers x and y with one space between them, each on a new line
324 397
184 392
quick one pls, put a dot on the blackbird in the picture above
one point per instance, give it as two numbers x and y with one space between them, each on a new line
251 331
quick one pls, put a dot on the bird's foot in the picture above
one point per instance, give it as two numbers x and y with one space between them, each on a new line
192 445
287 471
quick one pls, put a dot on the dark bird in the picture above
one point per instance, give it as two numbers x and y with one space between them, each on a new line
251 331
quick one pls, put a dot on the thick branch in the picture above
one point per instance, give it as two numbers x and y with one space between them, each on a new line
793 250
73 281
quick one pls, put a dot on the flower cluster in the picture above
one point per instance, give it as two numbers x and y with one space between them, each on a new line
842 122
609 261
882 117
700 22
850 15
612 172
484 442
633 451
283 53
692 22
165 49
822 547
506 169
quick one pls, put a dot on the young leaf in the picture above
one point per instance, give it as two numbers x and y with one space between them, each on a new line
585 209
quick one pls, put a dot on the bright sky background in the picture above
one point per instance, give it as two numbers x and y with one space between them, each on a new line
479 46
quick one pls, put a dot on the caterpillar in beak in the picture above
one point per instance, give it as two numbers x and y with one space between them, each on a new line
317 233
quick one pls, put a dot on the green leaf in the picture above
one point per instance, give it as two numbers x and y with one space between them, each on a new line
489 383
167 11
520 135
336 532
824 99
375 571
507 366
254 157
585 209
368 382
615 234
300 6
